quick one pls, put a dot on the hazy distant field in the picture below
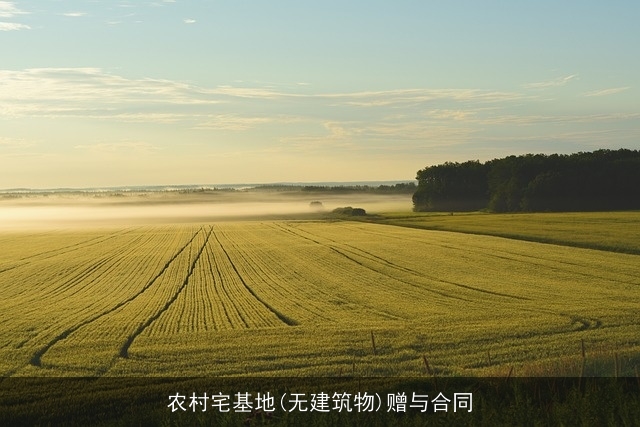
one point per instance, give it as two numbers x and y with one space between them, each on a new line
303 297
76 209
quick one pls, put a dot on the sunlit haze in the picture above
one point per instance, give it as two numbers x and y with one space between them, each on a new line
110 93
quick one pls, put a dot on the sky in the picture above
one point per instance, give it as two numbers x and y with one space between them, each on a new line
115 93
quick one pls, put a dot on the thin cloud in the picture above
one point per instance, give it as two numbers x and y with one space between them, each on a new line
231 122
54 90
560 119
605 92
75 14
560 81
113 147
189 21
239 123
360 134
592 136
451 114
248 92
419 96
8 9
294 114
13 26
13 143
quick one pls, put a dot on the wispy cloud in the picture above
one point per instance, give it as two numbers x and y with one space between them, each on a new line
75 14
417 96
6 142
365 136
249 92
560 81
605 92
189 21
593 137
451 114
69 90
239 123
113 147
288 115
511 119
13 26
8 9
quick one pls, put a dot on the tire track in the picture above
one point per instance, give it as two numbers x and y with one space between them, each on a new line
433 278
36 359
408 270
514 256
230 298
124 350
72 248
76 277
286 320
216 294
376 309
266 272
70 276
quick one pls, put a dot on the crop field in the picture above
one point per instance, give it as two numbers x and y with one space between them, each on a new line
326 298
617 231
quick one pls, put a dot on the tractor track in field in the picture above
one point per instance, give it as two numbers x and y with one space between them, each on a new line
369 307
266 271
407 270
511 256
225 298
71 248
527 261
442 294
36 359
124 350
420 274
78 277
286 320
212 271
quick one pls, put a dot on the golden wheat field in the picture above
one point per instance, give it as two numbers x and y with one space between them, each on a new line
294 298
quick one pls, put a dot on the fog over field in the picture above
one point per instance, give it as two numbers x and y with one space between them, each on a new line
55 210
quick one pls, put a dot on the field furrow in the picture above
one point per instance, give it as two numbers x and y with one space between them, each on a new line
530 273
23 256
194 256
343 287
217 298
558 258
304 297
118 281
111 330
378 264
401 283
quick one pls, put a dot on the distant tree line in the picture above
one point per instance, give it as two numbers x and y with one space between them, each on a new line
599 180
402 187
399 188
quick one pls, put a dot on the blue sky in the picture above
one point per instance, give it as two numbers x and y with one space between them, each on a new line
101 93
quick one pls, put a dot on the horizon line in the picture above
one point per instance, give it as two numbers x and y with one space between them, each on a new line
167 187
